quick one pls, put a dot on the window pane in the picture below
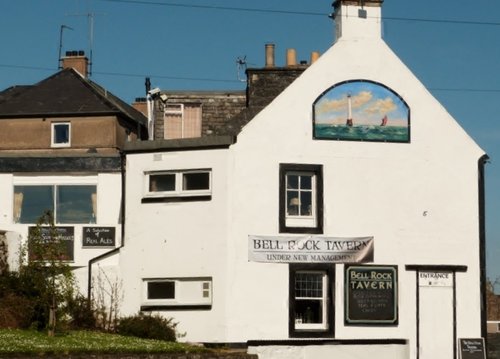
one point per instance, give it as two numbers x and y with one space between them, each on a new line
309 311
30 202
292 203
305 203
161 290
162 183
195 181
306 182
61 133
75 204
308 285
292 181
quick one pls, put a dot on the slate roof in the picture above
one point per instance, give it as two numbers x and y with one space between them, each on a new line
65 93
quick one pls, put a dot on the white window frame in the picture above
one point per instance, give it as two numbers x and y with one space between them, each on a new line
183 292
301 220
178 191
299 324
53 133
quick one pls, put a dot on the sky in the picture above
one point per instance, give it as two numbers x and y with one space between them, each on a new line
451 46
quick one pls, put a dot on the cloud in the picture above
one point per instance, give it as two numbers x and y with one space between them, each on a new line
381 106
359 100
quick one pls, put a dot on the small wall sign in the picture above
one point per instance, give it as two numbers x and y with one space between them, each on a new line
371 295
65 236
472 348
435 279
98 237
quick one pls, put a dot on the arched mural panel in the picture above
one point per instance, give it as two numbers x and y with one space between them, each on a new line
361 110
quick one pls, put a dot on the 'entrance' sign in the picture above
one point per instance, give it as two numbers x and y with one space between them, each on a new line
435 279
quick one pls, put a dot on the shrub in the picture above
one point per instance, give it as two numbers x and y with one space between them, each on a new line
148 327
81 314
16 311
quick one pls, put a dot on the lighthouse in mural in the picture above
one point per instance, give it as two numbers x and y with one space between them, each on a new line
349 111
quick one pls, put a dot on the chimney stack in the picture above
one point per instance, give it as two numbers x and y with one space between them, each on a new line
357 19
269 55
76 60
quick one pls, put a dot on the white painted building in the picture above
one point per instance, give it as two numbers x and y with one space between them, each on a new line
344 220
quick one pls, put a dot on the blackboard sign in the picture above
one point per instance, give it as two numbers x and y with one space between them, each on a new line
371 295
98 237
472 348
64 235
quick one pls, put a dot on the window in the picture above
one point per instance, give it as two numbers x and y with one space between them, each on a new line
61 134
182 120
69 203
189 184
311 303
177 293
301 198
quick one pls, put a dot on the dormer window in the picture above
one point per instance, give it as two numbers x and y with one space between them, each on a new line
61 134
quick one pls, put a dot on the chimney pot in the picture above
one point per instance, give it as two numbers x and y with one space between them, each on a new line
291 57
314 56
269 55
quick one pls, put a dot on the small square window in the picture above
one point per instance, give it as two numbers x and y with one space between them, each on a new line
162 182
301 198
161 290
61 134
196 181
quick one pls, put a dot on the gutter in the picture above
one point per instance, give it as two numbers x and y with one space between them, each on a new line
122 220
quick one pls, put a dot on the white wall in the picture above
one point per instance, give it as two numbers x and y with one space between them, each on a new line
108 211
169 240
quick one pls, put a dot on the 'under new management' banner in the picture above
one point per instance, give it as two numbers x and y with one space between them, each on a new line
310 249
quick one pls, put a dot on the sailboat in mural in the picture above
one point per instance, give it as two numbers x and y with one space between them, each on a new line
349 111
384 121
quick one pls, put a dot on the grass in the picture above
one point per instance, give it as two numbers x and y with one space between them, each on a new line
13 341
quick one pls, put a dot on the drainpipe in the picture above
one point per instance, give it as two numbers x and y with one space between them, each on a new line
122 220
482 244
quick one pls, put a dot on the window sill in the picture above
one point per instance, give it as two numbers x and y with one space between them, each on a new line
169 307
176 199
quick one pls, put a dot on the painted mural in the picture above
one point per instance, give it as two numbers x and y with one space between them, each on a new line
361 110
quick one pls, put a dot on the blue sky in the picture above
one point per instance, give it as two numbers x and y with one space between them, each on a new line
187 47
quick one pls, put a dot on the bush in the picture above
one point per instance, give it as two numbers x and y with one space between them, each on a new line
148 327
16 311
81 314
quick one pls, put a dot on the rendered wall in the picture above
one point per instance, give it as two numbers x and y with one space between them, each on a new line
108 212
184 239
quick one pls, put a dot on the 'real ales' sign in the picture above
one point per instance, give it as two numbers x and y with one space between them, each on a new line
310 249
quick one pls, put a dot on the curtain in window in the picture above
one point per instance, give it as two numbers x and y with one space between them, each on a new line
192 121
18 205
93 198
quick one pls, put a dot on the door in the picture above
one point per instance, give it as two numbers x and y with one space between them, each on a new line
436 315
